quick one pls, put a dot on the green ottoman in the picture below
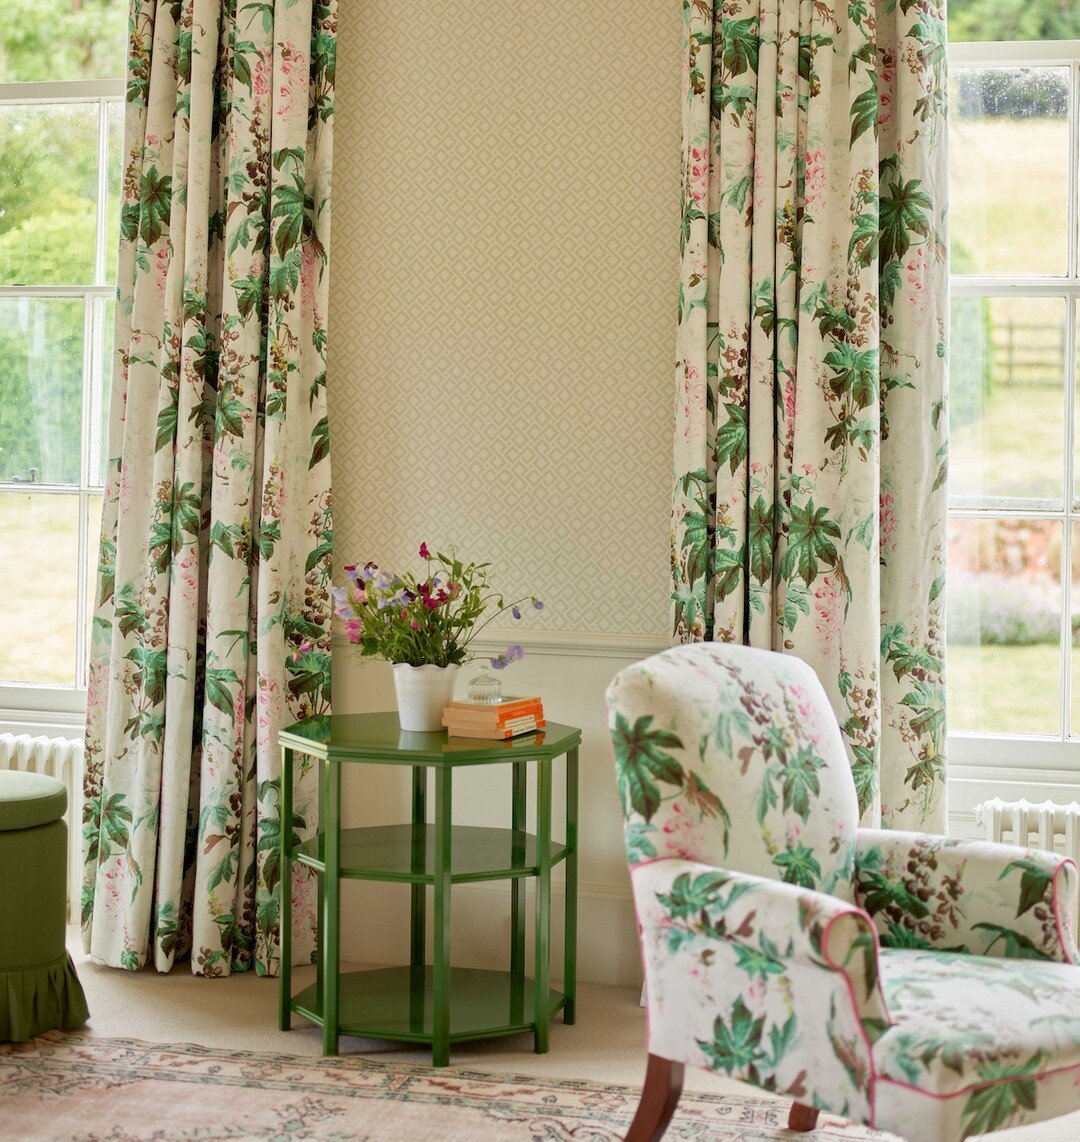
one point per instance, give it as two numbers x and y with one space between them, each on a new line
39 990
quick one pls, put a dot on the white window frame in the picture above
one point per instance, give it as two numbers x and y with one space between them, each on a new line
1048 760
31 704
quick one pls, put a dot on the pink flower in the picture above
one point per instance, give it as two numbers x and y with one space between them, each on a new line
425 552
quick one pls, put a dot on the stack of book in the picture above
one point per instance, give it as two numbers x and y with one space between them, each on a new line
499 720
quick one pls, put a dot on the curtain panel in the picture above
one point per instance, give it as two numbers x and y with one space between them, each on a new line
212 627
810 443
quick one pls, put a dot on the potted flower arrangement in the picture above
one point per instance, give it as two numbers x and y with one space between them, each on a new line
424 626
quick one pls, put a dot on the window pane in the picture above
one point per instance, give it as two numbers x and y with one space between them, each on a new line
48 193
102 391
62 39
1004 626
1009 164
41 348
39 548
93 546
1013 20
1007 397
114 160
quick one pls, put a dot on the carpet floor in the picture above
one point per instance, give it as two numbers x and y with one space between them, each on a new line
88 1089
177 1057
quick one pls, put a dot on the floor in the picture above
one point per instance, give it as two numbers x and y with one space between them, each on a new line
605 1045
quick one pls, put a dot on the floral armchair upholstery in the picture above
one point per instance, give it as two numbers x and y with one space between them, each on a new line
913 983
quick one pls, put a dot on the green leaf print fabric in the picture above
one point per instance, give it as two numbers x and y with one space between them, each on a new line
212 627
921 985
810 440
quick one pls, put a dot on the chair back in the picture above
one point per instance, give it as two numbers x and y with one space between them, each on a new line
732 756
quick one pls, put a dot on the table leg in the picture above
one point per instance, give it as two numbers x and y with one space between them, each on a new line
440 998
331 905
517 885
542 967
419 817
320 881
285 882
570 922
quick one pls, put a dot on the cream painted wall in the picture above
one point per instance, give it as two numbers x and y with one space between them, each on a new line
501 346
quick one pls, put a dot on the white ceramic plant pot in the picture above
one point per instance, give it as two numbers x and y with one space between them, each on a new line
422 694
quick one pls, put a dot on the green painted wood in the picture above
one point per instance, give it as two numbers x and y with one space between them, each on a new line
570 921
440 1043
379 737
331 904
383 1003
417 865
437 1004
542 961
405 854
285 883
518 809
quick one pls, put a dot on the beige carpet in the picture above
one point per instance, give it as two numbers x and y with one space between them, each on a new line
604 1047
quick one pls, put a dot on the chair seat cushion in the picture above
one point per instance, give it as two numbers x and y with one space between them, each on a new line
30 799
977 1043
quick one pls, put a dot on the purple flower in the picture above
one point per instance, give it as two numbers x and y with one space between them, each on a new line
515 652
351 573
424 552
515 612
538 605
368 573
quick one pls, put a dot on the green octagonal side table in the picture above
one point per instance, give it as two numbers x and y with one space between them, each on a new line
434 1003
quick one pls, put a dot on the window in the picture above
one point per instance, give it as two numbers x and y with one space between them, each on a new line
61 137
1014 521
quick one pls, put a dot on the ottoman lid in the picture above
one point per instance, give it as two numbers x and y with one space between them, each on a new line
29 799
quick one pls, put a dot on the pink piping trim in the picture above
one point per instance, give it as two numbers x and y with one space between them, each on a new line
978 1086
1057 910
854 1001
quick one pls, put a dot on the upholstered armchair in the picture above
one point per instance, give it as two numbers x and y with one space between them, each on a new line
916 984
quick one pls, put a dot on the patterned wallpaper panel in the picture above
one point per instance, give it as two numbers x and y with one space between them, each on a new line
503 295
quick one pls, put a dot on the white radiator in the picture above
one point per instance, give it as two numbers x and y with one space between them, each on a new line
61 758
1049 826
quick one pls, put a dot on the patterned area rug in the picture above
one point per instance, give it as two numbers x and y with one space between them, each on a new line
82 1089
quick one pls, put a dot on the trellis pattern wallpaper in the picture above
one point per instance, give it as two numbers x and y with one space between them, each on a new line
504 257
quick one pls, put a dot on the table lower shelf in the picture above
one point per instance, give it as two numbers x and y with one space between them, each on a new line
395 1003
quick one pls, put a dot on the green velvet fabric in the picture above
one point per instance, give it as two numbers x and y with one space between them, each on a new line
39 999
29 799
39 989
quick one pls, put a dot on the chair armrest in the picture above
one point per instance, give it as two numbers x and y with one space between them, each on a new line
763 980
978 897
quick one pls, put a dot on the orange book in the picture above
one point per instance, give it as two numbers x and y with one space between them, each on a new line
492 716
495 733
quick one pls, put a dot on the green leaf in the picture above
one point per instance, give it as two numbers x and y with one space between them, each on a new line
864 110
799 866
218 694
732 437
809 542
641 761
1036 881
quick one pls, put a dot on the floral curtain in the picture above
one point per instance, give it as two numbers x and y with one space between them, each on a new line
810 443
212 628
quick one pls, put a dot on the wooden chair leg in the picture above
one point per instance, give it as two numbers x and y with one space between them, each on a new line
663 1085
802 1118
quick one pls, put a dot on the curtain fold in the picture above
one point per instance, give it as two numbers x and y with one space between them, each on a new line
212 626
810 440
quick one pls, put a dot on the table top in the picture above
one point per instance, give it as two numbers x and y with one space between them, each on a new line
379 738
